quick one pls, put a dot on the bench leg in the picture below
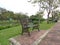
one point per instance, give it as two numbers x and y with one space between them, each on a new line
22 31
28 32
38 29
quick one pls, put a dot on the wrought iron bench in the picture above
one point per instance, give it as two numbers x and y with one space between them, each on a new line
29 23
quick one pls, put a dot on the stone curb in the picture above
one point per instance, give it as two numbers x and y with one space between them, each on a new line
13 42
40 38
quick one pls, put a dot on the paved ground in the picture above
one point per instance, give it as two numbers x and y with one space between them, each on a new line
26 40
53 37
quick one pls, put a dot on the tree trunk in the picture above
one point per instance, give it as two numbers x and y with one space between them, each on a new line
48 17
52 17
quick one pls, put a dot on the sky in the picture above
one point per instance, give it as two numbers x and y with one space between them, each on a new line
19 6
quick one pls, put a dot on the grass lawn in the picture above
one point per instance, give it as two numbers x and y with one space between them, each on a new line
5 34
8 33
45 26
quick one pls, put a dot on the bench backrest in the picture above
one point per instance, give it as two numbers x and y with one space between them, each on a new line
24 22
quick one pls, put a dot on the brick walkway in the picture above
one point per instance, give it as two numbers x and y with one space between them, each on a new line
26 40
53 37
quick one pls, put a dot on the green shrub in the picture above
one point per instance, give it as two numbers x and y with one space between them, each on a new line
2 27
41 20
8 26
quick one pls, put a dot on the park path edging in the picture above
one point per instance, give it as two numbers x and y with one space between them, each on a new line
40 38
13 42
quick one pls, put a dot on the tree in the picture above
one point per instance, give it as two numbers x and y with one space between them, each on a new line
57 14
40 16
49 5
7 15
1 11
17 16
